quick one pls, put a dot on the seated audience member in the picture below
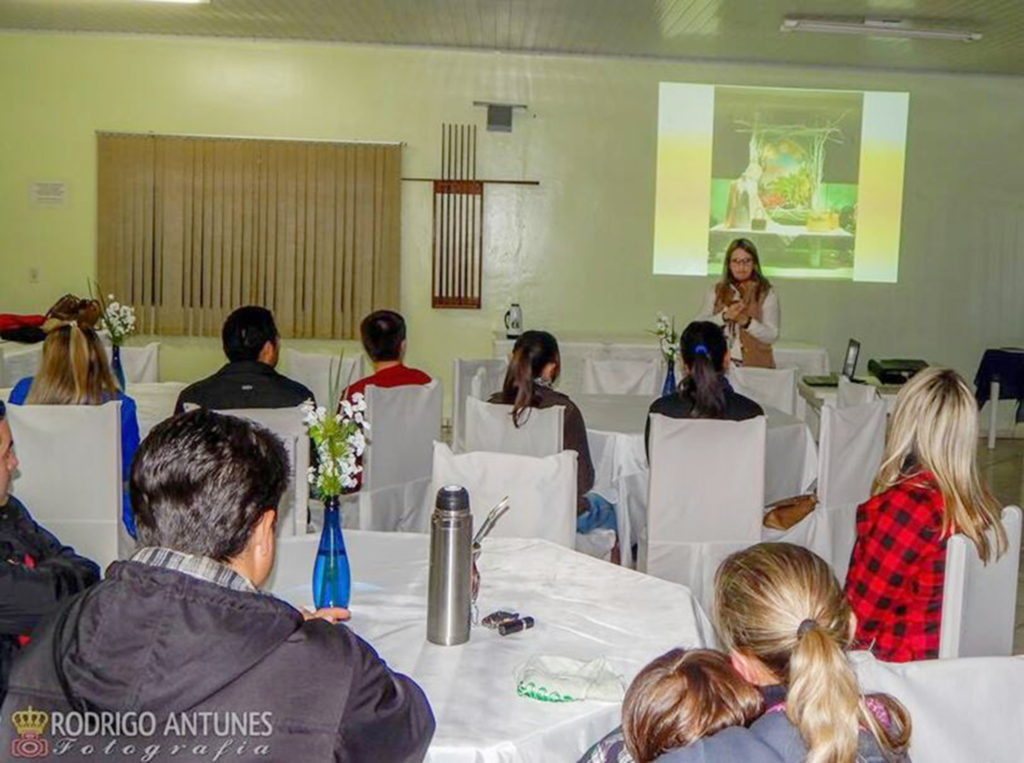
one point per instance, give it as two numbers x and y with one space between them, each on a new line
783 617
532 370
249 380
383 334
183 628
927 488
36 571
680 697
74 371
705 392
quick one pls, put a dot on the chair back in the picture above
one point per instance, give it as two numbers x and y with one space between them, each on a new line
405 421
961 710
979 601
851 442
154 403
489 427
541 491
478 379
20 362
69 476
619 376
771 387
316 371
141 365
289 426
850 394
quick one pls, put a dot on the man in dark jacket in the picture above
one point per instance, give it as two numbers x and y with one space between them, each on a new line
249 380
180 633
36 571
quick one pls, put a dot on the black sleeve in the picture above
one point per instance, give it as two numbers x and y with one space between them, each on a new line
575 438
387 716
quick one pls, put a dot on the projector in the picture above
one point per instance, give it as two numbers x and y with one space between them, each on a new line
895 371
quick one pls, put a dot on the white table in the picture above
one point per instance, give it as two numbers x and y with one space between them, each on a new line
575 346
584 609
815 397
615 433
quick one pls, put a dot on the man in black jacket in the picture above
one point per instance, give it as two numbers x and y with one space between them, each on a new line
249 380
36 571
181 632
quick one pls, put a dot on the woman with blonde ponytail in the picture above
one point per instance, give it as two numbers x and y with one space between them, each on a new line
782 615
74 371
927 488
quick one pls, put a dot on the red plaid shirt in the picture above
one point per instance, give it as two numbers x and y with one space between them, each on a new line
898 569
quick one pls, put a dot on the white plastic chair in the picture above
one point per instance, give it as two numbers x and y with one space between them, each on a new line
478 379
979 601
404 423
541 491
851 443
621 377
706 497
961 710
316 372
772 387
287 423
489 427
69 476
141 365
850 394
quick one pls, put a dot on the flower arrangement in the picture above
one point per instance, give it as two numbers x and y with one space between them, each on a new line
340 440
668 339
117 319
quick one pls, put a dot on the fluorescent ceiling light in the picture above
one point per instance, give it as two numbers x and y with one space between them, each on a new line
876 28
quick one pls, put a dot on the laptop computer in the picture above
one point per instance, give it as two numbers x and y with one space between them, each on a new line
849 368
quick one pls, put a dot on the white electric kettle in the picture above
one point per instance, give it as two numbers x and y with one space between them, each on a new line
514 321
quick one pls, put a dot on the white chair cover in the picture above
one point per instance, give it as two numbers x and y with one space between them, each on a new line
850 394
706 497
489 428
20 361
771 387
141 365
404 423
70 473
5 394
979 601
850 448
541 491
316 371
621 377
961 710
288 424
473 378
154 403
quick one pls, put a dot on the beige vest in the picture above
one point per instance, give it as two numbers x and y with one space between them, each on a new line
756 353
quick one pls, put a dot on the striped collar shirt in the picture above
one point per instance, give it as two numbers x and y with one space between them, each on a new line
201 567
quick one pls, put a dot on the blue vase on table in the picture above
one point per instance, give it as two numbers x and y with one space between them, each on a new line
670 380
332 578
116 367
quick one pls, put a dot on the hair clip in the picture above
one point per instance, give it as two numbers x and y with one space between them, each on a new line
806 625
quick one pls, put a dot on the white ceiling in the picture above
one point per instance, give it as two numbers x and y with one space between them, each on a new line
735 30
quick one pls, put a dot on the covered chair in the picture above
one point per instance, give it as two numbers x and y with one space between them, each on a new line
618 376
768 387
477 379
316 371
489 427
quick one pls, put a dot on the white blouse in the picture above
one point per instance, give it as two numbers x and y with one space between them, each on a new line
765 330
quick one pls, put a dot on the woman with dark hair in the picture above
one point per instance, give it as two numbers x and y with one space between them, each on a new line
532 371
705 392
745 305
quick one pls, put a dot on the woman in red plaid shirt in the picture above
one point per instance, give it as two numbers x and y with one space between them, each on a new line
927 488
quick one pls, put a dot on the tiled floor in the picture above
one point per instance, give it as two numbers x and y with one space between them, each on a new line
1003 469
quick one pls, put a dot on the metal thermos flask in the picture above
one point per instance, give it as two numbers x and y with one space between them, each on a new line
449 596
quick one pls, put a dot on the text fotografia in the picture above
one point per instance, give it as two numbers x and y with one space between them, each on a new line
185 725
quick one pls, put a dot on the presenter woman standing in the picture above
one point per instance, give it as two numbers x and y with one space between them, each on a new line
746 306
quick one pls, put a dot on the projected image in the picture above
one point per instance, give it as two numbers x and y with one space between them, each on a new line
813 177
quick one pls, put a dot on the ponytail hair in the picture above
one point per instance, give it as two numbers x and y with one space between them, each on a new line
704 348
531 353
74 369
781 604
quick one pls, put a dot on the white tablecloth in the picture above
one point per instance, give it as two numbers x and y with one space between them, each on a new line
19 361
575 346
615 433
584 609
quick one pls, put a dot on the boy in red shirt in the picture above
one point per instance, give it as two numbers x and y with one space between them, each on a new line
383 333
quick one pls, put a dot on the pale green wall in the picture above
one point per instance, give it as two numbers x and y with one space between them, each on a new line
576 252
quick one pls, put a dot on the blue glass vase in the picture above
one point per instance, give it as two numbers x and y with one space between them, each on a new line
670 380
332 579
116 367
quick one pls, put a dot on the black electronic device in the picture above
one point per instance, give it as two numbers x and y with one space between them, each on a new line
897 371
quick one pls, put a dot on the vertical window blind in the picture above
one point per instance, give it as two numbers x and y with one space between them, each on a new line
190 228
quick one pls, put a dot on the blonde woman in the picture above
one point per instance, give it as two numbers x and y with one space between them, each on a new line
74 371
782 615
928 488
